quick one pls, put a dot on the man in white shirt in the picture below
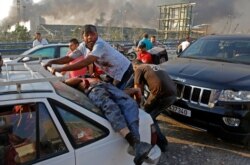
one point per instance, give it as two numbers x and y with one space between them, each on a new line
185 44
104 56
39 40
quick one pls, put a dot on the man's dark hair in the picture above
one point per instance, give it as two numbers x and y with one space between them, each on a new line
142 45
137 62
145 35
75 41
38 33
89 28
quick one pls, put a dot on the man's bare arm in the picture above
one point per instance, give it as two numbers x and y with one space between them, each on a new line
62 60
80 64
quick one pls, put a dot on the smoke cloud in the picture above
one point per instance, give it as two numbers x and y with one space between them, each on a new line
224 16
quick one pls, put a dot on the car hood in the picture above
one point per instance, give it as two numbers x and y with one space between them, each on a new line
214 73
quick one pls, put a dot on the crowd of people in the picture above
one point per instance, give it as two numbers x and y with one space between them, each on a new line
119 95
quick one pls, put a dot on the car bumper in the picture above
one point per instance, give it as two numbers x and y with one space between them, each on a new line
212 120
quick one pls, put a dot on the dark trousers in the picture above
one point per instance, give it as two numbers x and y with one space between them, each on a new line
125 82
163 103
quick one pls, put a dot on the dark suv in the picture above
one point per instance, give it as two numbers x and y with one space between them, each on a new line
213 80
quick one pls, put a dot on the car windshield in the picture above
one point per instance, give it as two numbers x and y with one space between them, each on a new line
234 50
26 52
75 96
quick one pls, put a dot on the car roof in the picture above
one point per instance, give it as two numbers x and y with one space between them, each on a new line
43 46
227 36
34 79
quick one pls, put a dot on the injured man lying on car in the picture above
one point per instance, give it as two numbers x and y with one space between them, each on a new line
120 109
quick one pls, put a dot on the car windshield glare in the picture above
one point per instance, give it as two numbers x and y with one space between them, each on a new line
230 50
75 96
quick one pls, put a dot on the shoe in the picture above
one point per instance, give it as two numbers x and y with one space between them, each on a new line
161 140
142 150
131 150
154 155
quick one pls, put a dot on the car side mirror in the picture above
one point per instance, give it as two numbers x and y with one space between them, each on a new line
26 59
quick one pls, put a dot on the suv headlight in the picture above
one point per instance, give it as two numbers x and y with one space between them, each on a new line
236 96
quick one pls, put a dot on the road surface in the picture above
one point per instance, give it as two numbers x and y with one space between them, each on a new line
191 146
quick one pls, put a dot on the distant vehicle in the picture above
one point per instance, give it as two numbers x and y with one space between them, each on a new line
212 78
159 54
47 52
127 50
43 121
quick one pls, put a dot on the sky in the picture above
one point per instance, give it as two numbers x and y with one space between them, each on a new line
4 8
223 15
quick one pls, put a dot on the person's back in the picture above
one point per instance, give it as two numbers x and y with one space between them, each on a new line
162 93
143 55
145 40
185 44
158 80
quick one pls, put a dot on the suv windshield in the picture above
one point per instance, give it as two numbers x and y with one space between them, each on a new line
234 50
75 96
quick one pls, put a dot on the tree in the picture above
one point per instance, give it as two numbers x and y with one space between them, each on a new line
20 33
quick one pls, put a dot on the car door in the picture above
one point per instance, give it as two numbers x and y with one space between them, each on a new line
30 134
45 52
92 137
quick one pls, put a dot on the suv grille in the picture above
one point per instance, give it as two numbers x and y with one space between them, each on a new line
193 94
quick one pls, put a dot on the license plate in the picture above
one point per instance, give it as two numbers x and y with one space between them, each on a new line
180 110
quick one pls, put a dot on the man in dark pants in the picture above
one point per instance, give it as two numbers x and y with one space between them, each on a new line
162 92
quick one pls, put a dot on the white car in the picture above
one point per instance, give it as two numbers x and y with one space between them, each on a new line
46 52
45 122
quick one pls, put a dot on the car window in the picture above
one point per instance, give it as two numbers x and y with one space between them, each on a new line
63 51
241 52
229 50
75 96
194 49
81 129
46 53
28 134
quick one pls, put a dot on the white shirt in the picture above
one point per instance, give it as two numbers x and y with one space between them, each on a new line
80 51
184 45
111 61
42 42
